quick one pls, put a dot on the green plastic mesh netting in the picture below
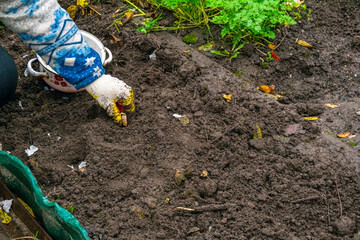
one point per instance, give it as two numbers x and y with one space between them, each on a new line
57 221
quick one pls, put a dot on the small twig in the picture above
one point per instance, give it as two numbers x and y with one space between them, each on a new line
328 212
204 208
206 134
337 190
30 139
226 132
305 199
95 10
51 192
281 39
20 238
261 52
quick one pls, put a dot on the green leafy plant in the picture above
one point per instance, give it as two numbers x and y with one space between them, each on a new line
152 25
227 54
242 21
269 57
250 20
190 39
193 12
265 65
70 209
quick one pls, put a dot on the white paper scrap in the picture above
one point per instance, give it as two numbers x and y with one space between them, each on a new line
153 56
31 150
6 205
82 165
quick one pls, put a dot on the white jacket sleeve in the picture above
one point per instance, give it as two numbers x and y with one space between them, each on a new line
50 32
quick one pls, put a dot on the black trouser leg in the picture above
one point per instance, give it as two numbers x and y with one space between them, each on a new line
8 77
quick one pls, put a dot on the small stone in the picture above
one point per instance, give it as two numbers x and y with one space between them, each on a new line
207 187
344 225
258 144
193 230
150 202
198 114
262 196
357 236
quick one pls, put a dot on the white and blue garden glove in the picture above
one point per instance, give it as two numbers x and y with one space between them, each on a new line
53 35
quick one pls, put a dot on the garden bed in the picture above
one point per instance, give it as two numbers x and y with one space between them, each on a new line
283 185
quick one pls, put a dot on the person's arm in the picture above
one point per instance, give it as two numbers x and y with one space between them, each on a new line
51 33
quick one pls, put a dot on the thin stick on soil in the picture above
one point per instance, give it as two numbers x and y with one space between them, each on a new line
282 39
30 139
20 238
206 134
212 207
305 199
328 212
337 190
95 11
261 52
226 132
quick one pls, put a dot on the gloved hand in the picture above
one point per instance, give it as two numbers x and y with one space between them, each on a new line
114 96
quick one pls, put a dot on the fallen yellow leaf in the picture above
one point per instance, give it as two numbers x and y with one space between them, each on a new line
179 177
204 174
271 46
83 3
331 105
351 136
207 46
303 43
3 215
344 135
311 118
265 89
227 97
72 11
27 207
258 133
128 16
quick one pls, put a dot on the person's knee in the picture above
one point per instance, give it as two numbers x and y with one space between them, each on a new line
8 77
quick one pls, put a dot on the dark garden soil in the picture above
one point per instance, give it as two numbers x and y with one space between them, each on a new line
296 182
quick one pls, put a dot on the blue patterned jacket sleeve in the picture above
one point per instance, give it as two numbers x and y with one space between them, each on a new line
49 31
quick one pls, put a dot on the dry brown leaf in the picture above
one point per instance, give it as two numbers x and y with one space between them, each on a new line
272 90
294 129
116 39
142 3
179 177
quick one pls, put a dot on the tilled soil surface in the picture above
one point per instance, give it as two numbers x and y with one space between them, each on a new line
297 181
